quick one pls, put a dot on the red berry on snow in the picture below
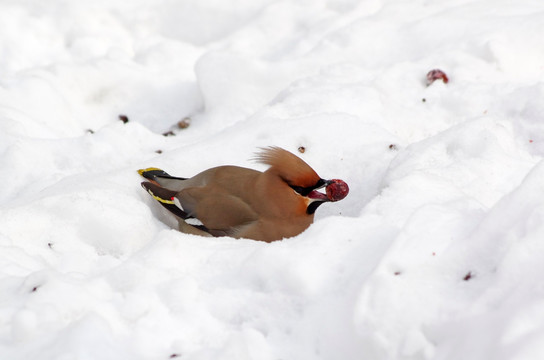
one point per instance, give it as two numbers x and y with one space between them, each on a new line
436 74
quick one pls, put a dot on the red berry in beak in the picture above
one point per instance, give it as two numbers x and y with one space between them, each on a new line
337 190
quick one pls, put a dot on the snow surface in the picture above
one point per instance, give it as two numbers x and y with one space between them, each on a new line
435 254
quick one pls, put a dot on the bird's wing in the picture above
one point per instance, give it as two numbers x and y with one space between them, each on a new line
165 197
216 209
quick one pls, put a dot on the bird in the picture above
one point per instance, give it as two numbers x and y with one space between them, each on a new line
240 202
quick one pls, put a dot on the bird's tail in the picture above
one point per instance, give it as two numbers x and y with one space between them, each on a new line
153 173
162 178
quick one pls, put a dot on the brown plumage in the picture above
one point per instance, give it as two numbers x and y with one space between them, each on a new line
245 203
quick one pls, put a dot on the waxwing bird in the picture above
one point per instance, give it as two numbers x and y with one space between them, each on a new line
245 203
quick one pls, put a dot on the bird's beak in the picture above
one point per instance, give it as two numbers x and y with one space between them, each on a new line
316 195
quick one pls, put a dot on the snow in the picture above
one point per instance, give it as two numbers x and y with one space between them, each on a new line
435 253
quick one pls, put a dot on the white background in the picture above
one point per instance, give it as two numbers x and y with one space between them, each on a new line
435 254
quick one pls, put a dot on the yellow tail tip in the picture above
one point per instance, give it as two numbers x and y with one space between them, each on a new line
143 171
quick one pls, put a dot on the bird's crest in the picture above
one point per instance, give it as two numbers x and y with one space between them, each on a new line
292 169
